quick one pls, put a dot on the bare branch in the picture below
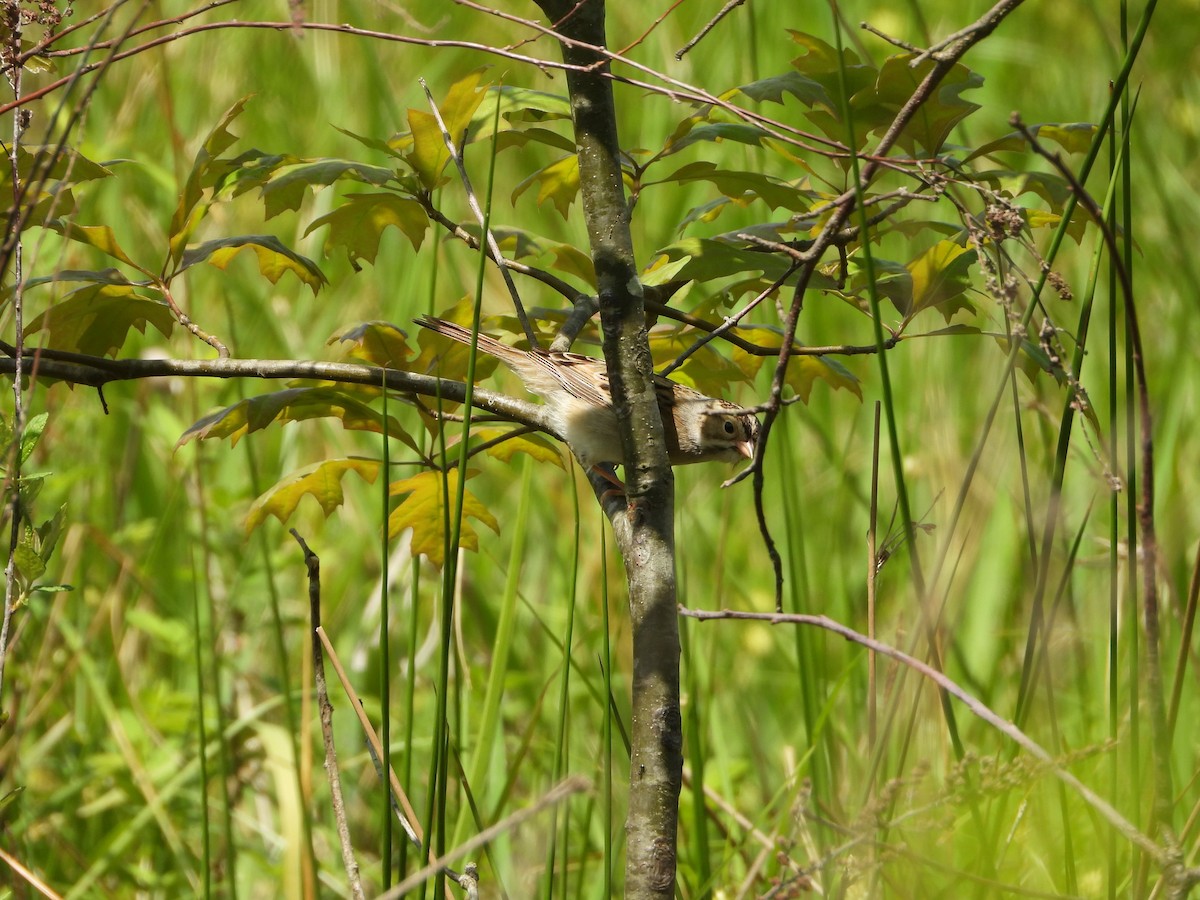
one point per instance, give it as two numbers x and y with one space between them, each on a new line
709 26
1126 828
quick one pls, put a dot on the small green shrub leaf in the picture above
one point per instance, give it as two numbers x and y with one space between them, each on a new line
358 224
186 215
940 277
288 190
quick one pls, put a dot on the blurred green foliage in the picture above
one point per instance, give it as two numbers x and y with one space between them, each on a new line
149 746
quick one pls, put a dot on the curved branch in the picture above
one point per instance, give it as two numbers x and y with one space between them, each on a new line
1163 856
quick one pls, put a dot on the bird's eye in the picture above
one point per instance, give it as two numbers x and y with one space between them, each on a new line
729 429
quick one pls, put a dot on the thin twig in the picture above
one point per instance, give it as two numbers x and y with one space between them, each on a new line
12 465
1126 828
894 41
473 202
186 321
949 47
30 878
79 368
711 24
313 564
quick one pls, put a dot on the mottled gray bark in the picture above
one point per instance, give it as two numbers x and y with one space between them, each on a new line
644 529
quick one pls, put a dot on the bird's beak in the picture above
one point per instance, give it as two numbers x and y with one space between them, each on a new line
746 449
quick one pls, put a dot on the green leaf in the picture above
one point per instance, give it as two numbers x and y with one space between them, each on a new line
95 320
29 563
287 191
46 163
819 63
49 532
558 182
48 200
248 170
428 155
1074 137
217 142
292 405
392 147
274 259
743 187
423 511
927 131
359 223
102 237
701 259
518 104
379 343
940 277
322 481
88 276
806 90
891 280
32 434
716 133
530 135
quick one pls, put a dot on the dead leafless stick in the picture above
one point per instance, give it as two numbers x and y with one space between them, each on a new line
408 820
326 709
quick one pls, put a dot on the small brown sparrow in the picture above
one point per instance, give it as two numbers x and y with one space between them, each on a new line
697 428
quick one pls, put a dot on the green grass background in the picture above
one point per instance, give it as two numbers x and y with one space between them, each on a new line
172 607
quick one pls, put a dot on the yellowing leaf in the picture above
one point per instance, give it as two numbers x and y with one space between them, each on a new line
424 511
322 481
274 259
558 182
535 445
101 237
802 371
940 276
379 343
428 154
292 405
